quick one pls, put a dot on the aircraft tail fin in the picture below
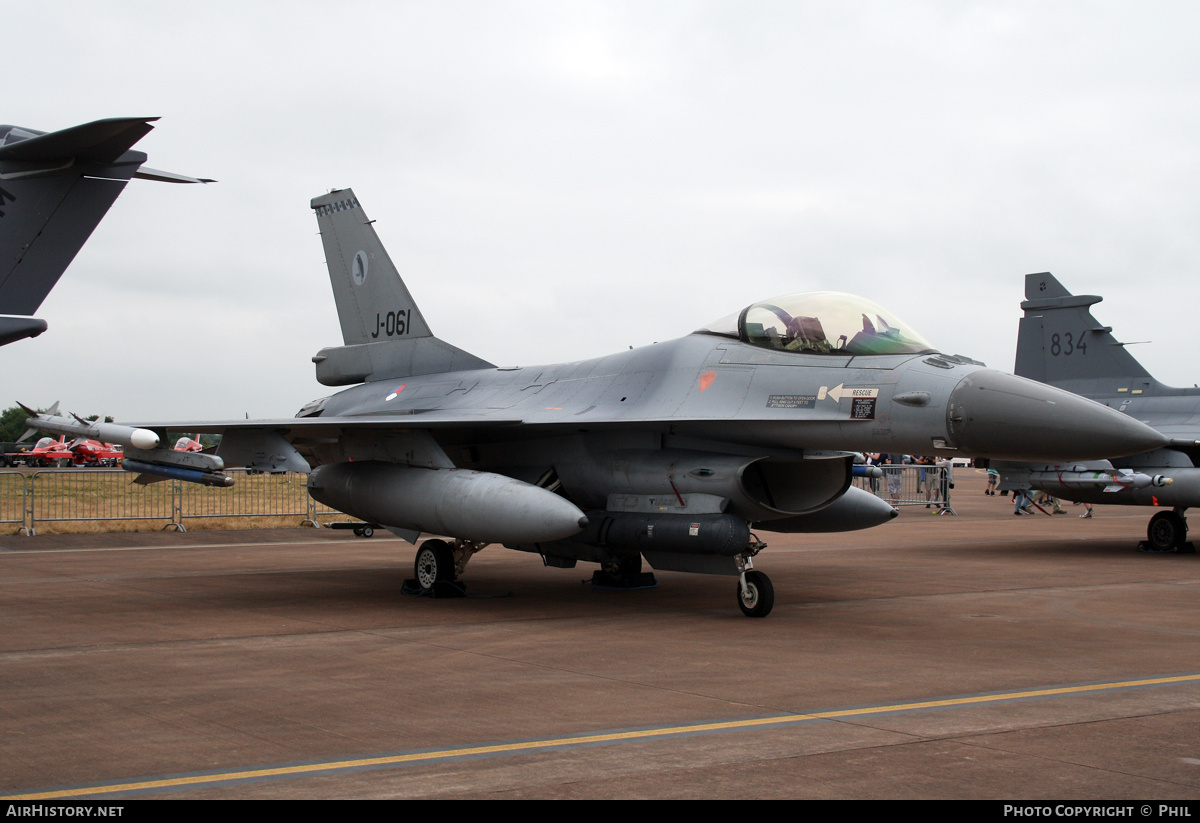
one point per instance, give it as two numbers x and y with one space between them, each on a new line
1062 344
54 190
384 332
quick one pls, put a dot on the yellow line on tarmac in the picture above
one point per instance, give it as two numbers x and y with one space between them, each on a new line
585 739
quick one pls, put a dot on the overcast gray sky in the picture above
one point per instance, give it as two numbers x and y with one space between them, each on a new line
561 180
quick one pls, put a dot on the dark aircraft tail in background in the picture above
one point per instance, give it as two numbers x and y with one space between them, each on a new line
54 190
1061 344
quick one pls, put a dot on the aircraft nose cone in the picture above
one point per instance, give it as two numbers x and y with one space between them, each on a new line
1000 415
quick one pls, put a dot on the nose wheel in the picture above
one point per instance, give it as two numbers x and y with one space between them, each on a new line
756 595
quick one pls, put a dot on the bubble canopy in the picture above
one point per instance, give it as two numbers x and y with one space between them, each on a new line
821 322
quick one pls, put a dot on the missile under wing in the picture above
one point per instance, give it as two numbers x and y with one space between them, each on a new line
1060 343
54 190
681 453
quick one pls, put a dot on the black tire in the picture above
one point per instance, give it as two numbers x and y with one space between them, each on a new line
1167 531
358 532
630 566
623 570
759 597
367 531
434 564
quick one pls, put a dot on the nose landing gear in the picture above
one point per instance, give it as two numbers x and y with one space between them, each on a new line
756 595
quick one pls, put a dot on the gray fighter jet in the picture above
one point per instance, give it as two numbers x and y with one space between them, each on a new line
1060 343
672 452
54 190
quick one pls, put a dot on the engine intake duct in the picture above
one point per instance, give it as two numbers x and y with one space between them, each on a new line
753 487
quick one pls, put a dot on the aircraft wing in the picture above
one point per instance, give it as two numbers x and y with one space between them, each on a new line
325 426
101 141
292 443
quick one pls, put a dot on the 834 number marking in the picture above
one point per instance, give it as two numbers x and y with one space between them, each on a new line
1067 344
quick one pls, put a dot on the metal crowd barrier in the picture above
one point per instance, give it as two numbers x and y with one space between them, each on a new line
14 499
95 494
254 494
56 495
911 485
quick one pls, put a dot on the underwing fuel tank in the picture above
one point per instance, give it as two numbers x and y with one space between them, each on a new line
472 505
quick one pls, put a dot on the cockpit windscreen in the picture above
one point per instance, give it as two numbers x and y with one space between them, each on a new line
823 322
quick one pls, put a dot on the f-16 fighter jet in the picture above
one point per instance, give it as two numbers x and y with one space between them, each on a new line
681 453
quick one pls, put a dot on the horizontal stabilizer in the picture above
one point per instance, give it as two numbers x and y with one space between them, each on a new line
347 365
168 176
101 141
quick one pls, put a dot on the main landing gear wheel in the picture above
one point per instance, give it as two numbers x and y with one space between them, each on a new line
1167 531
434 564
627 567
619 573
757 597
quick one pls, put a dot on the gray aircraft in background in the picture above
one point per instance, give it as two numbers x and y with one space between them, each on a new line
1061 344
679 452
54 190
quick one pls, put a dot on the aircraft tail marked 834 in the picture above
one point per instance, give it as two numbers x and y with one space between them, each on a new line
678 452
1060 343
